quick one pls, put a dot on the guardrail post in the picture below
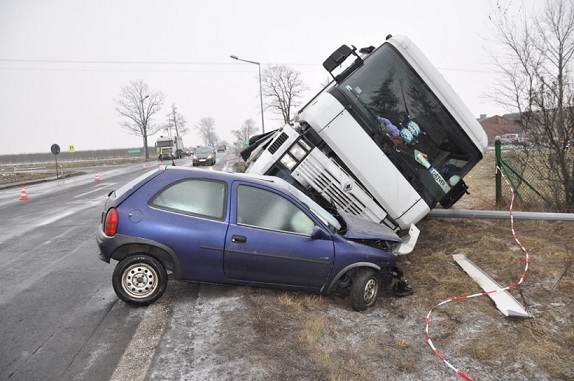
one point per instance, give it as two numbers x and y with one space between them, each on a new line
497 168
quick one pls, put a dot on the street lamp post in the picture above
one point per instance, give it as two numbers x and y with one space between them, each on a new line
260 88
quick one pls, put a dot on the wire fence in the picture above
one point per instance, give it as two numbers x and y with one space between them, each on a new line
527 172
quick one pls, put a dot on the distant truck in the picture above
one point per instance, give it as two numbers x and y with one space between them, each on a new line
169 147
387 140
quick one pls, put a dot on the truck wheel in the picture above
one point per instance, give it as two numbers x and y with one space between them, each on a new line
139 280
364 289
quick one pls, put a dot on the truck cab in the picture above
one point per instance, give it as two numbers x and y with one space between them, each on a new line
387 140
169 147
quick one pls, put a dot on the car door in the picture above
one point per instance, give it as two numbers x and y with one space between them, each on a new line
269 240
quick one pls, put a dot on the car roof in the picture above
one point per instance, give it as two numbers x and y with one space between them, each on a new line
229 176
271 181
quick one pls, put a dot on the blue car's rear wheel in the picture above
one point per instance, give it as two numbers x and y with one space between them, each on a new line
139 280
364 289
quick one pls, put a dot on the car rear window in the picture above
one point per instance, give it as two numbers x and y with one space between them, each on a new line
203 198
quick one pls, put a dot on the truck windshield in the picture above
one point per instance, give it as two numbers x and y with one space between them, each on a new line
164 143
408 122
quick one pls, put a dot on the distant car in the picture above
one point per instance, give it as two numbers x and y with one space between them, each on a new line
221 148
217 227
510 139
204 156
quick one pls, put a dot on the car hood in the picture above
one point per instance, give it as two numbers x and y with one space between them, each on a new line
361 228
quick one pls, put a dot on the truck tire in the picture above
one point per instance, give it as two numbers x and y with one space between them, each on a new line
139 280
364 289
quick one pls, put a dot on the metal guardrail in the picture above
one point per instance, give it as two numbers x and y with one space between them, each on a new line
500 214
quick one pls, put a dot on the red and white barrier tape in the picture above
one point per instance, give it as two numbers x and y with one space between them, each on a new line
512 285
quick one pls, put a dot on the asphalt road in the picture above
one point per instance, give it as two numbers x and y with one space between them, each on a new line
60 318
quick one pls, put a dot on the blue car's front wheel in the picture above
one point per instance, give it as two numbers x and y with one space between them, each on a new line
139 279
364 289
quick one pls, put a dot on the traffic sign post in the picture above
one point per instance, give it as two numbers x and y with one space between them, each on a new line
55 150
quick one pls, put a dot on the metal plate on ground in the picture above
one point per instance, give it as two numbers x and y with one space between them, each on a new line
504 301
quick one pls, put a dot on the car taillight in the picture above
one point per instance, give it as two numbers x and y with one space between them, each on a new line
111 223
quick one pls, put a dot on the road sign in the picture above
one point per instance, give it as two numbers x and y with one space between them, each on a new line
72 148
134 150
55 149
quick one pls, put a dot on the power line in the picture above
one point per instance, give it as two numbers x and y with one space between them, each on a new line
136 62
182 63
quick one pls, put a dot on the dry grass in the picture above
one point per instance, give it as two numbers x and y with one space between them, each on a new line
12 173
309 337
544 342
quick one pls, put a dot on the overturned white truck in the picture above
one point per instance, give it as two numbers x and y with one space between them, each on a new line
387 140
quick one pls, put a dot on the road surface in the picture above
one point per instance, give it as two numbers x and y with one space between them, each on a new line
60 318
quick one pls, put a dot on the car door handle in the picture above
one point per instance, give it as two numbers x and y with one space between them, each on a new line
238 239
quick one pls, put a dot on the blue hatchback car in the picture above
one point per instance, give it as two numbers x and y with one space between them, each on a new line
217 227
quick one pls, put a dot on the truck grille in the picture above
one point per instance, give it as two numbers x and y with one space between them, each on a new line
278 142
327 178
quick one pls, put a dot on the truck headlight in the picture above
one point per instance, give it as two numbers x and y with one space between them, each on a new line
288 161
297 151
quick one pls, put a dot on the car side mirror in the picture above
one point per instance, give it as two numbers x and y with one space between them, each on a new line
318 233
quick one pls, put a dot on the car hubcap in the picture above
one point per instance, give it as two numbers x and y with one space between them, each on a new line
139 280
370 291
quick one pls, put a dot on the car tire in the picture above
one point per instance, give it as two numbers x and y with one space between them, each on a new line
364 289
139 280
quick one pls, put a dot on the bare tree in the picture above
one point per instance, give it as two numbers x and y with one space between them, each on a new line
242 134
176 121
206 130
537 82
283 87
137 105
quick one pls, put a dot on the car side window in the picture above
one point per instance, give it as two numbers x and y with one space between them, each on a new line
261 208
202 198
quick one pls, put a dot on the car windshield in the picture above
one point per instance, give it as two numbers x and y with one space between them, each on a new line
203 150
409 123
315 208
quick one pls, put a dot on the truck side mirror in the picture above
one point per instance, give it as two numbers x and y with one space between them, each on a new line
337 58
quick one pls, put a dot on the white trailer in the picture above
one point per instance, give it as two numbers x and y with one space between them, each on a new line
387 140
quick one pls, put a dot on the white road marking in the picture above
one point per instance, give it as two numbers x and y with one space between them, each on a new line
98 188
48 220
138 355
59 216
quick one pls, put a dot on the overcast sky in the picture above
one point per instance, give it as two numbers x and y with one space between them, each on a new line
59 69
